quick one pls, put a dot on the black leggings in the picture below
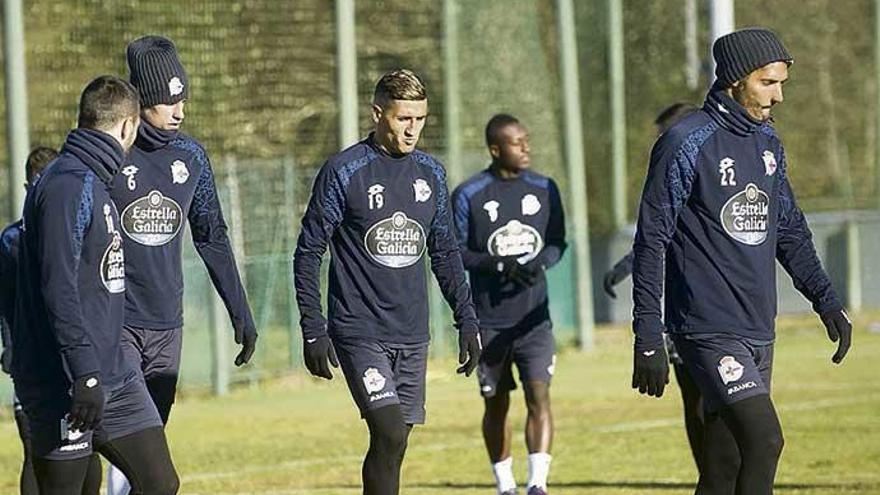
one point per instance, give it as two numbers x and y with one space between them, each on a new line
162 390
28 480
742 446
143 457
388 438
694 417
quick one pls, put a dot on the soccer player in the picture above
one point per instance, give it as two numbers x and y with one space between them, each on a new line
37 160
68 366
690 394
166 181
380 204
718 207
511 229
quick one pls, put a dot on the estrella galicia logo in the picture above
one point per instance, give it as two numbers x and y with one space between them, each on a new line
396 242
113 265
516 239
746 214
152 220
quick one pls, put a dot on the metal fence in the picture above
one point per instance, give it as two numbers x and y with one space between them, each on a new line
266 102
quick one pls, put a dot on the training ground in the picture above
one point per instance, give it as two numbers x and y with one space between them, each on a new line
300 436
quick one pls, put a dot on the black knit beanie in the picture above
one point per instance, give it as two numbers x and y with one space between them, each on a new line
156 71
738 53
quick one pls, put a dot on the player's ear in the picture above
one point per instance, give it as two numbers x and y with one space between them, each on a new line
129 128
495 150
377 113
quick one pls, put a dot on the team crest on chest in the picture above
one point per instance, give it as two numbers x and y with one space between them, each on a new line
129 173
530 204
422 190
179 172
491 208
769 162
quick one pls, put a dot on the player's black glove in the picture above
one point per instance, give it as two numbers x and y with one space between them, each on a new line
529 274
650 371
247 337
469 349
613 277
838 326
319 356
87 406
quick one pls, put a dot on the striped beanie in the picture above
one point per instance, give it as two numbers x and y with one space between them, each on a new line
156 71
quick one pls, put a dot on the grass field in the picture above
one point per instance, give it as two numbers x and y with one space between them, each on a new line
296 435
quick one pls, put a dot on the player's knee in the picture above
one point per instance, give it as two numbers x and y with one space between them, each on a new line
388 431
769 444
537 398
166 483
497 405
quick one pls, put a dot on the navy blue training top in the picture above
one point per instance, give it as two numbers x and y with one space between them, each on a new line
497 217
9 240
717 204
167 180
70 286
379 214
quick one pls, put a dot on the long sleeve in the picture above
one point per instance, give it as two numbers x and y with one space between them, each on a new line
446 260
796 253
667 188
323 215
8 244
64 220
472 260
555 244
625 264
211 241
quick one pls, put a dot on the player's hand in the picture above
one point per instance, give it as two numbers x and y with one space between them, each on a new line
247 337
87 406
613 277
529 274
839 328
650 371
469 349
319 356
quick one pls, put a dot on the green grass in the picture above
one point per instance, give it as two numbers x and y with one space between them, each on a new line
296 435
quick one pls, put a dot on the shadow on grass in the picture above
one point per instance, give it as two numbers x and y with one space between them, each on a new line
652 485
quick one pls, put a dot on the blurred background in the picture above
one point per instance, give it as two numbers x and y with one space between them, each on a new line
277 86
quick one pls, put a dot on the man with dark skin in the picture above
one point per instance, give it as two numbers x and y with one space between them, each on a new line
718 208
511 229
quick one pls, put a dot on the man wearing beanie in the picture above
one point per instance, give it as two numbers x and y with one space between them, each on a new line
166 181
78 391
718 207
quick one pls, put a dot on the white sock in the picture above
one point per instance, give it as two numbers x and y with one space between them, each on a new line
117 484
539 468
504 475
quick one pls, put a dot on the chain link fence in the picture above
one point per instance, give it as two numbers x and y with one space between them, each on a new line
263 101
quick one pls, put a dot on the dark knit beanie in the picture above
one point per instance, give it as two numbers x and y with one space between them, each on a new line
156 71
738 53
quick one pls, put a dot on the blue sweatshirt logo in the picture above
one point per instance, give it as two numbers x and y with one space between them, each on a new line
745 215
396 242
515 239
153 220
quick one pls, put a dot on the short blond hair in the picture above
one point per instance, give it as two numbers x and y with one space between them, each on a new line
399 84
